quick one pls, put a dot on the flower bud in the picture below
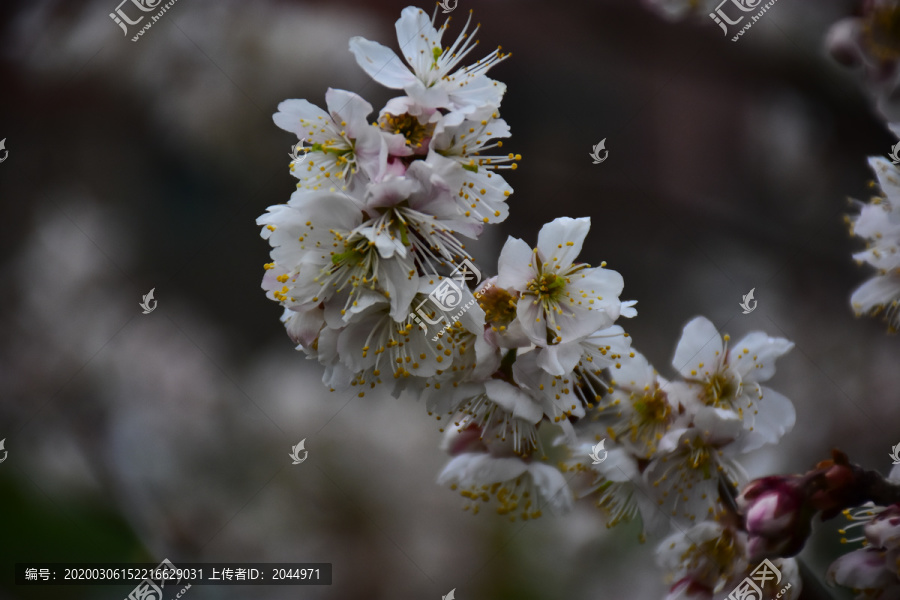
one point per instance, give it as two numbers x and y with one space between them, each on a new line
776 516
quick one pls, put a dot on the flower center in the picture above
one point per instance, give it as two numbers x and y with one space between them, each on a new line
720 389
408 126
653 407
882 32
499 306
722 552
548 287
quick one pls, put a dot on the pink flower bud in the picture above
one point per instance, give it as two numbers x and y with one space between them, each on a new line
776 516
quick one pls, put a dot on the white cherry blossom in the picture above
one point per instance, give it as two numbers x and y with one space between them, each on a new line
878 223
730 378
341 141
559 300
434 77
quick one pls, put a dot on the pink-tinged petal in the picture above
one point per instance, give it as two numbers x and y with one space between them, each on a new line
560 241
884 530
513 400
514 265
843 42
878 291
463 441
390 192
290 112
700 343
688 589
303 327
371 153
861 569
755 354
380 63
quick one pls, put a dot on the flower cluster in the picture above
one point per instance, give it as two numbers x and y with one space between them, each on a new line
874 569
676 441
868 40
381 205
376 284
878 222
709 562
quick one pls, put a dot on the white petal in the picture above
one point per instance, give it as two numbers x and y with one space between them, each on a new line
290 112
514 266
721 425
776 416
758 353
480 469
348 107
552 486
475 93
635 373
303 326
888 176
894 475
380 63
560 240
878 291
559 359
417 38
514 400
700 343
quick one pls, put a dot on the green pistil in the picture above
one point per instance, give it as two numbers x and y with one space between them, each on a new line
548 287
352 257
404 233
317 147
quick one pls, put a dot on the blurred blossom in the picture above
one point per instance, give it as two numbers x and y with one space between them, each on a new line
878 222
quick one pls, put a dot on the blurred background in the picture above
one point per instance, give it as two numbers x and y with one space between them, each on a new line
139 165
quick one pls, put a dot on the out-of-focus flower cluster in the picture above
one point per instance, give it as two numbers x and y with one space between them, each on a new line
878 222
870 41
874 569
